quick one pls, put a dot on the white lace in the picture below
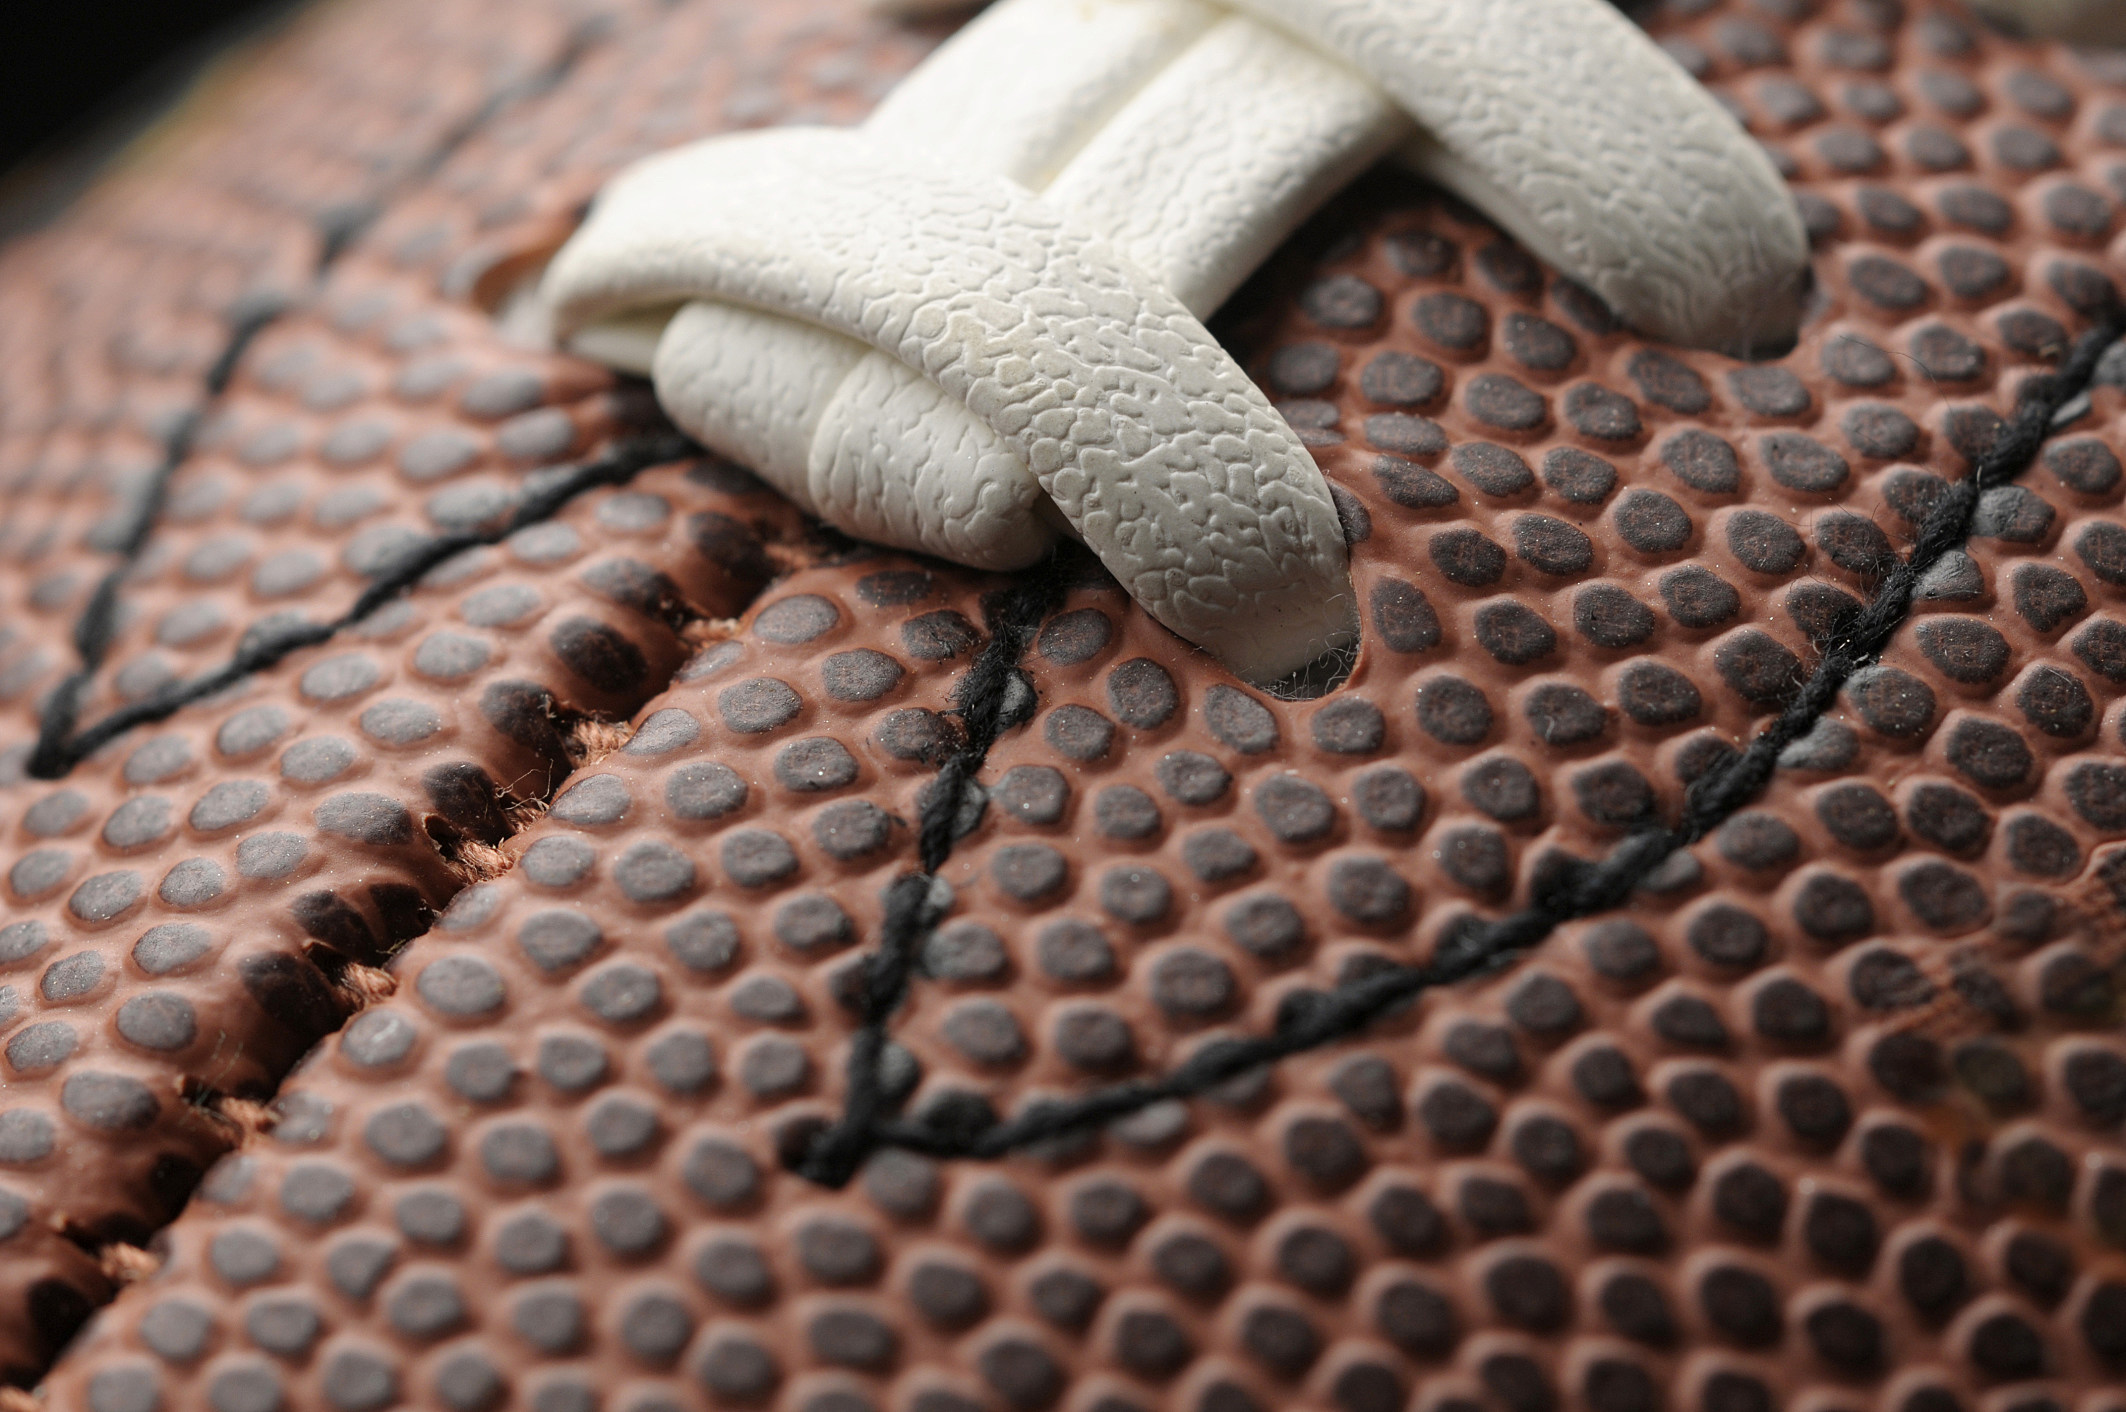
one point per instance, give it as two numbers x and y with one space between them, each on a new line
979 314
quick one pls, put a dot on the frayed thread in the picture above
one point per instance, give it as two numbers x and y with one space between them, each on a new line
248 1116
472 861
591 740
365 986
127 1264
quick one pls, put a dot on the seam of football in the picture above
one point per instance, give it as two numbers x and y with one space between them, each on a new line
58 747
1311 1019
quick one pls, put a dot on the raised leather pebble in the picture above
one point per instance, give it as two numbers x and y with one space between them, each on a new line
1695 1151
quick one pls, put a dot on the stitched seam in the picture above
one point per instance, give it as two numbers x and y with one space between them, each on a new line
58 749
263 650
97 625
1312 1019
993 697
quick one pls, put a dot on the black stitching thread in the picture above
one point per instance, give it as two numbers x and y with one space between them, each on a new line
1311 1019
94 630
993 697
262 650
57 749
341 226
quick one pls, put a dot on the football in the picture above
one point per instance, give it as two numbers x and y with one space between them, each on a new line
1105 705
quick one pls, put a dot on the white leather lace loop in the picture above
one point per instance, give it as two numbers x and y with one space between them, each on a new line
1193 136
1558 118
1138 425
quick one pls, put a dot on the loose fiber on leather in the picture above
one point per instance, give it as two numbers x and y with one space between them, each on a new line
1826 1115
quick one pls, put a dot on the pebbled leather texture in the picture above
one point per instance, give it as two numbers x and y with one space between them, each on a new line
1607 600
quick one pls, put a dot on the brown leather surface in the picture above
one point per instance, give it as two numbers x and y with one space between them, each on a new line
1829 1118
374 412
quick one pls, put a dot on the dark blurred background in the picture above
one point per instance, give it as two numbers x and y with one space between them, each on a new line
77 75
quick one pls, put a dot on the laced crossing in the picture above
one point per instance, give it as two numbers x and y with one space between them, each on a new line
1177 142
